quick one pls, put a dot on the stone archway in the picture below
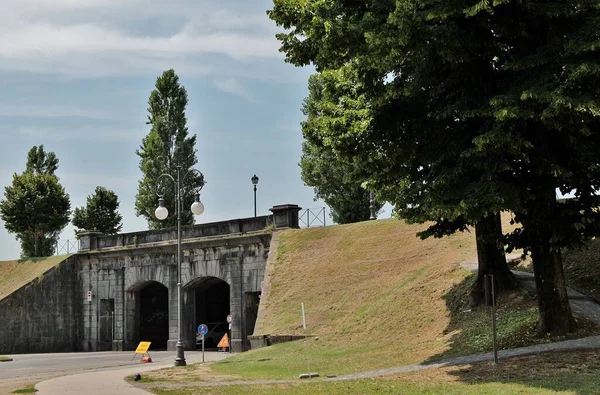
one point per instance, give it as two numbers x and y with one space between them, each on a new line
210 298
151 314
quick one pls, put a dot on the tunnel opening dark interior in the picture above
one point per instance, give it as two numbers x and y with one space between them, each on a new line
212 308
154 315
251 313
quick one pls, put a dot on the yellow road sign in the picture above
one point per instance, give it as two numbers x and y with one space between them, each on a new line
224 341
142 348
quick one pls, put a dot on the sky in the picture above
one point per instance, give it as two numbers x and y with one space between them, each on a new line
75 76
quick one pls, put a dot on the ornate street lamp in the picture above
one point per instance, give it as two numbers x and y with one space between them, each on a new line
161 213
254 182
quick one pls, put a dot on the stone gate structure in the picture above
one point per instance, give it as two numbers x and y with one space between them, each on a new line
123 288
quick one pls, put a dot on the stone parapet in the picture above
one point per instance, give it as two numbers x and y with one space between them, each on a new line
284 216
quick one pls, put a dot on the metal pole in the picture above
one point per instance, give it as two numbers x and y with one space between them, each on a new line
494 319
180 356
324 222
255 200
372 205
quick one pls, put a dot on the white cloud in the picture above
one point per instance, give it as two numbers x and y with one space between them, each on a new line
107 37
231 85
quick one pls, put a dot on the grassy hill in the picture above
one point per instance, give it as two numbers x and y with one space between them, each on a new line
376 296
15 274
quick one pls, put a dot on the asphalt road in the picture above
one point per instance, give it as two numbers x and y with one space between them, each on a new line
38 367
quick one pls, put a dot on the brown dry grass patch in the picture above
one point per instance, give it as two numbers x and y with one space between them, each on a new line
15 274
372 284
553 370
197 372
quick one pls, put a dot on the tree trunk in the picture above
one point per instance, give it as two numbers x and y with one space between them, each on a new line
491 258
555 313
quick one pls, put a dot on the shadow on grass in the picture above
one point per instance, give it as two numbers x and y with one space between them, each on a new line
576 371
470 332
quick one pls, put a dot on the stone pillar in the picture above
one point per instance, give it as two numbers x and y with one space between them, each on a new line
88 240
132 327
119 324
285 215
173 332
236 293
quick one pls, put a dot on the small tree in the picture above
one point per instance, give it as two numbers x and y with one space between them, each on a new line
36 208
166 148
100 213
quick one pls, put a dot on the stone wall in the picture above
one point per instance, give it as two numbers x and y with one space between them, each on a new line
133 239
44 315
116 276
54 313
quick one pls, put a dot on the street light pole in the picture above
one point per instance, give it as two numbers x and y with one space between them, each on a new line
180 354
372 205
254 182
161 213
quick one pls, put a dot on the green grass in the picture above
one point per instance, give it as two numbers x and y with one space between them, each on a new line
376 296
516 323
564 373
3 358
27 390
468 332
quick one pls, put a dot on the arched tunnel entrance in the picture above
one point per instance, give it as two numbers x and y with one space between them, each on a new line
154 314
212 305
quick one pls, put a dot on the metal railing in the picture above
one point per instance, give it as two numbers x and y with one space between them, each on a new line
312 217
68 246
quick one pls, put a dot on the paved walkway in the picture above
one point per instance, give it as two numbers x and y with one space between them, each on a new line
580 303
112 382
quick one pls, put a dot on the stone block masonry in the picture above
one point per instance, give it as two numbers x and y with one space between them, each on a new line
132 280
44 315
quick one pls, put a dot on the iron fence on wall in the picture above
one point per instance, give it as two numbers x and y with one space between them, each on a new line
312 217
68 246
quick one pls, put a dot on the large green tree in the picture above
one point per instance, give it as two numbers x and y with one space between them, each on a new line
405 167
167 147
334 180
36 207
495 102
100 213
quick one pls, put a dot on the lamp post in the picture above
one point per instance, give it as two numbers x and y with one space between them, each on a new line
254 182
372 205
161 213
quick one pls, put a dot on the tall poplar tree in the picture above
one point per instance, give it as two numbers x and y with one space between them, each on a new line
167 147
